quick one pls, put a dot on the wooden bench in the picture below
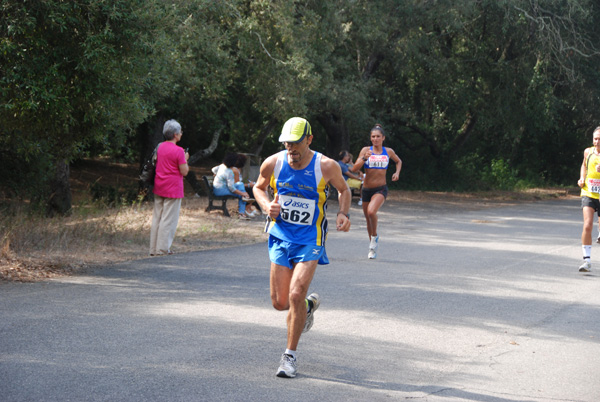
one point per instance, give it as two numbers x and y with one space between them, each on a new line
208 188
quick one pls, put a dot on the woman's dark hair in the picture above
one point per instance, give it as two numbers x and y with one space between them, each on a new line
379 128
241 161
342 155
230 159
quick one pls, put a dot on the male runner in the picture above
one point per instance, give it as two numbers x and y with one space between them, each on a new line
589 181
297 226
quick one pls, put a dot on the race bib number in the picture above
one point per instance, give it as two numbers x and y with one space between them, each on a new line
594 185
378 161
299 211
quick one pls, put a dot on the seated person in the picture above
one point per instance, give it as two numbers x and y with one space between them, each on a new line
237 173
354 180
224 184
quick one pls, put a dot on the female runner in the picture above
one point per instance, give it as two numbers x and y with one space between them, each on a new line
375 159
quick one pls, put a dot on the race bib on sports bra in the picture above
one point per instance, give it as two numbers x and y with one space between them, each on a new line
299 211
378 161
594 185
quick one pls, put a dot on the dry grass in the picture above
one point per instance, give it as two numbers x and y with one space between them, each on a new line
33 248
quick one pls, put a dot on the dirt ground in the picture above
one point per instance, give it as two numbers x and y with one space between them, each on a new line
197 229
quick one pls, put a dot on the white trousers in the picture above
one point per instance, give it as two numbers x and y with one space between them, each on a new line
164 224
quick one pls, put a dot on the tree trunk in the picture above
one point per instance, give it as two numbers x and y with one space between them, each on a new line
198 156
465 132
264 134
193 181
338 138
59 201
149 136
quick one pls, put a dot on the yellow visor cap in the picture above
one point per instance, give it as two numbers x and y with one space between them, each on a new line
294 130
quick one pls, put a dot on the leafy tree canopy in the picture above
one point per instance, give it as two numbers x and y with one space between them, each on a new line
492 93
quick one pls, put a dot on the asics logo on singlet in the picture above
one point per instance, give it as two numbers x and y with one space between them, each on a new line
295 204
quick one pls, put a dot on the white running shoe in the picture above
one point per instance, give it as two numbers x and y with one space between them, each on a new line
360 203
310 317
373 247
374 243
586 266
288 367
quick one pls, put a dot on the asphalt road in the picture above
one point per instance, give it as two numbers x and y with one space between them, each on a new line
460 305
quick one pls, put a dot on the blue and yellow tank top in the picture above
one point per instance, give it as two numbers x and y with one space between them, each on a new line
303 199
591 187
380 161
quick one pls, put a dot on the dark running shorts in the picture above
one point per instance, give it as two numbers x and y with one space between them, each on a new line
368 193
590 202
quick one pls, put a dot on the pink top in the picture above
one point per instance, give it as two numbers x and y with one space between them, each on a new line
168 182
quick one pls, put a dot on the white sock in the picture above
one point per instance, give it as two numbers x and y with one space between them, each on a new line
587 252
291 353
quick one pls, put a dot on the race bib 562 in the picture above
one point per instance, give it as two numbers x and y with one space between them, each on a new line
299 211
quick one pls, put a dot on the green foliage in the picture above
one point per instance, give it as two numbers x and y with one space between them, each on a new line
72 75
469 80
494 94
71 70
499 175
25 179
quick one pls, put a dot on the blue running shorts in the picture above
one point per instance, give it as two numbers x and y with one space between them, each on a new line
287 254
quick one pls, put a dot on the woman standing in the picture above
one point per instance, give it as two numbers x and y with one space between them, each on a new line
171 167
375 159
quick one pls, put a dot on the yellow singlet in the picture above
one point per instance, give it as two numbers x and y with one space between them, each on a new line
591 188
